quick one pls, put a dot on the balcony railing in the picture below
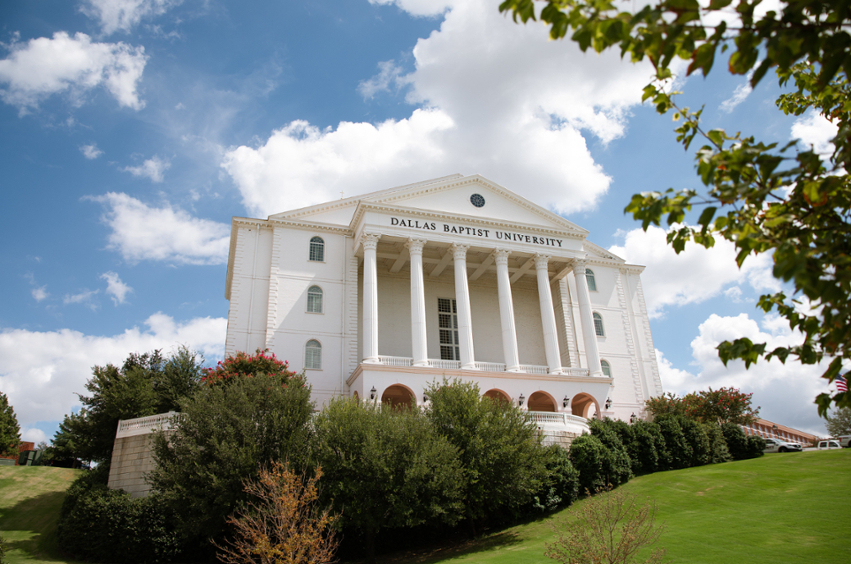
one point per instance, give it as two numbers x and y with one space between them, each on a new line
145 425
402 361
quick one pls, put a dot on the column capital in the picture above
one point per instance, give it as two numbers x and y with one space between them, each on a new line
579 266
541 261
500 256
459 252
415 246
370 240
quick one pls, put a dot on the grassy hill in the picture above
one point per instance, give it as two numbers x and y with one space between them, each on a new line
779 508
791 507
30 498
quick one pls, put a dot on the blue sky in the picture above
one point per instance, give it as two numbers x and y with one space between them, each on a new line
133 130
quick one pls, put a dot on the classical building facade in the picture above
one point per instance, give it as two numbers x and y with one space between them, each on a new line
378 295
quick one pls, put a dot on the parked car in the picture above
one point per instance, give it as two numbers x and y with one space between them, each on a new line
828 445
776 445
845 441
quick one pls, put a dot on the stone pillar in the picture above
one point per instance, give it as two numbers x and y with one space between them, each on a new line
548 316
462 299
586 319
506 311
370 298
419 345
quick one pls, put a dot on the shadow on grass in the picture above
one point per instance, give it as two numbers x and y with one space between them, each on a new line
429 554
29 526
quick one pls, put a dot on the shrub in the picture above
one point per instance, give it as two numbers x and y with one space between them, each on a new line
232 427
561 487
611 527
281 523
740 445
678 449
647 451
718 451
103 525
590 458
619 463
698 441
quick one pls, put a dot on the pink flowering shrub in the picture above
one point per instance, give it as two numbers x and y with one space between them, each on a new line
247 366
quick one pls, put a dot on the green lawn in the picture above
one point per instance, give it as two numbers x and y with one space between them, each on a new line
780 508
791 507
30 498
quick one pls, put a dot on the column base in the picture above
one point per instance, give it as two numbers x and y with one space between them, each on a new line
420 363
373 360
556 372
513 369
469 366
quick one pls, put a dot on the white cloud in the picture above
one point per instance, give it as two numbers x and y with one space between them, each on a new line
420 7
41 371
740 94
91 152
35 70
693 276
152 168
115 287
140 232
123 15
84 297
493 97
40 293
785 392
34 435
816 131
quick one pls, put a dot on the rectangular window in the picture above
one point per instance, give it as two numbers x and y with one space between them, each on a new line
447 313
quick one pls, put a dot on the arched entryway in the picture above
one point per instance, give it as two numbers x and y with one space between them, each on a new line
542 401
497 395
399 396
583 405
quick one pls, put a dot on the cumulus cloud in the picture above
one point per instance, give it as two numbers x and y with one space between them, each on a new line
785 392
41 67
33 435
117 289
123 15
693 276
816 131
41 371
153 168
91 152
490 96
141 232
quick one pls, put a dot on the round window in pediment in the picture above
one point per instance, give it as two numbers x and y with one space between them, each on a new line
477 200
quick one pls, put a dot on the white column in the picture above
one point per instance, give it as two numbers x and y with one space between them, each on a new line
548 316
586 318
418 311
506 311
462 299
370 298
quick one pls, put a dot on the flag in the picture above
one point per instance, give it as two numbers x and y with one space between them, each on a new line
841 384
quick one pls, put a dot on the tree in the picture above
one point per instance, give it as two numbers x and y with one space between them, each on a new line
281 524
611 527
10 431
840 422
386 468
759 196
499 449
229 429
146 384
725 405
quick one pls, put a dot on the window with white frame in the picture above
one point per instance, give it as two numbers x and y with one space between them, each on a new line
607 370
447 314
313 355
598 325
317 249
314 299
592 282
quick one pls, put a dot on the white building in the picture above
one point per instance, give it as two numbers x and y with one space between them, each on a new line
378 295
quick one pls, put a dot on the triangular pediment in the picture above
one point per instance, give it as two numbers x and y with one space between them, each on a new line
470 196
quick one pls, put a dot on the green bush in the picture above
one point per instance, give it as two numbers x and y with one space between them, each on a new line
718 451
648 450
740 445
102 525
561 487
618 461
698 441
677 447
590 458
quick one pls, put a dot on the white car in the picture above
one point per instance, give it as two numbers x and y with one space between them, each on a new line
828 445
776 445
845 441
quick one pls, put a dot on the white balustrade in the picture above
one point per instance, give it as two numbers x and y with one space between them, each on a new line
444 364
533 369
395 360
145 425
490 366
576 372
